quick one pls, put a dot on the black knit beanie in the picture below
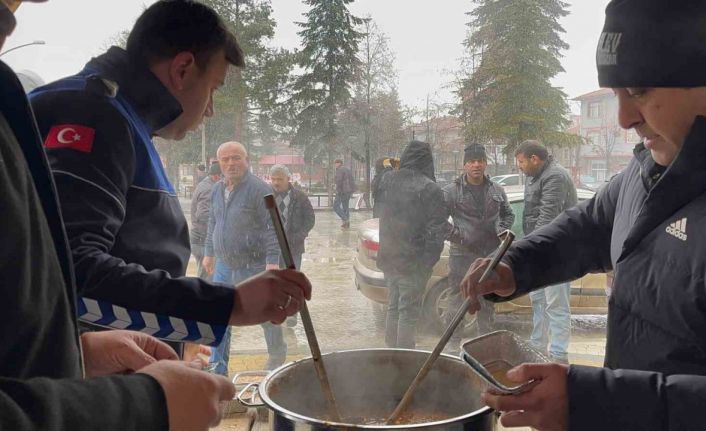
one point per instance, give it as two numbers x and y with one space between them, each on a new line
474 152
653 43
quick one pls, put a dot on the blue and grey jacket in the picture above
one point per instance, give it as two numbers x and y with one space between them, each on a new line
240 231
126 229
41 379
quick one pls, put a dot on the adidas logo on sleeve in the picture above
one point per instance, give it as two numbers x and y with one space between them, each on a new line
678 229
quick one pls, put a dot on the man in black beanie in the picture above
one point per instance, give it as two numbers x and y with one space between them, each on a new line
645 225
480 211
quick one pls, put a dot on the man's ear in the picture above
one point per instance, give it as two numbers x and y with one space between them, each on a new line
7 22
180 67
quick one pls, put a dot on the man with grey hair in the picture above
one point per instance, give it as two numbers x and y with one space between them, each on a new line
241 241
297 215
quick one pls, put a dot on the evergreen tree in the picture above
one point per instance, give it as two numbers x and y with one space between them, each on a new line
248 106
330 68
514 49
373 123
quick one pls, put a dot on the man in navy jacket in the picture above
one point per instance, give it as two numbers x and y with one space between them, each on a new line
646 226
128 235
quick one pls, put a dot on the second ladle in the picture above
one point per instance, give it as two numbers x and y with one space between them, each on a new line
507 237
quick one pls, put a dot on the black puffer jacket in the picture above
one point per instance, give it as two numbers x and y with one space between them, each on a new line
653 238
413 216
301 220
547 195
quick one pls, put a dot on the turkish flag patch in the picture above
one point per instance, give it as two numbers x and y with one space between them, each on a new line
71 136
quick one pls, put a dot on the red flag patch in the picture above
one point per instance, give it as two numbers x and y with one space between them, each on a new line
71 136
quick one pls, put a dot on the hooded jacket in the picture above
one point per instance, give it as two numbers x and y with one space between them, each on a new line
653 240
413 215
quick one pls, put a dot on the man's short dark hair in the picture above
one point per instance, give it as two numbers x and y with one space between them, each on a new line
169 27
338 161
532 148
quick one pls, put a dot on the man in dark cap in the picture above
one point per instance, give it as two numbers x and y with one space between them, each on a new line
480 210
645 225
200 208
412 227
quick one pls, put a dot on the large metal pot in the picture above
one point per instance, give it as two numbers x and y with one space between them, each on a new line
367 385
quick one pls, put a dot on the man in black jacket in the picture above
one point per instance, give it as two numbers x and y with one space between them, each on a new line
548 192
382 167
412 229
128 235
296 209
646 226
480 211
43 364
297 215
345 186
200 206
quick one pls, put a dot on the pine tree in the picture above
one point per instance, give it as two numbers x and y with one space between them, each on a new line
514 50
330 64
372 124
248 105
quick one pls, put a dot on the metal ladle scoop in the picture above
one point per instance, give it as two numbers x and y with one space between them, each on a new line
507 237
321 374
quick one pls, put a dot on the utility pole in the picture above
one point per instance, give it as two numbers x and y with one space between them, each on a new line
427 115
203 146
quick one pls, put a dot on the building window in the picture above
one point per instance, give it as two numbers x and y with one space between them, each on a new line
594 138
594 110
598 170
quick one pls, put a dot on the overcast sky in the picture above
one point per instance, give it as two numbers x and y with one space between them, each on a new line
425 35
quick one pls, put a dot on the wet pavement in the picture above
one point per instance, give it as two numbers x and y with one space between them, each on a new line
343 317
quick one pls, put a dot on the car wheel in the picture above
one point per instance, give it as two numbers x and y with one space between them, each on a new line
436 304
379 314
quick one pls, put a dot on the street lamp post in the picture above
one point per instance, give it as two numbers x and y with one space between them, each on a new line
455 161
36 42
